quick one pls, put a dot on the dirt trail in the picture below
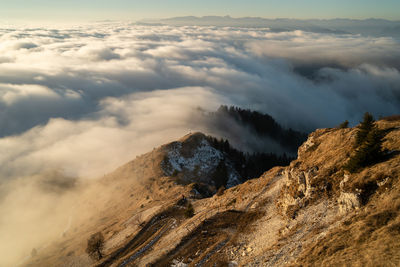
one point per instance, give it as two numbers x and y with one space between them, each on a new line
203 245
141 251
145 239
212 252
208 238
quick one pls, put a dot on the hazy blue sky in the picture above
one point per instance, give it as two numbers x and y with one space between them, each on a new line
135 9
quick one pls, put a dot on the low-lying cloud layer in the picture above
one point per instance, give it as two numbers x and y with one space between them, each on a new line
107 87
84 100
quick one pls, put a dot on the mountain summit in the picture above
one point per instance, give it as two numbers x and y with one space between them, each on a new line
194 159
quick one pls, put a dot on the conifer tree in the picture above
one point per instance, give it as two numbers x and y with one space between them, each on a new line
364 128
368 145
373 146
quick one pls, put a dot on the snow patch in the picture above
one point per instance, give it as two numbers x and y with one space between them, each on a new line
205 158
176 263
204 161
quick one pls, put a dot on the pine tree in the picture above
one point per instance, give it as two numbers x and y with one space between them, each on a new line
373 146
369 151
364 128
355 162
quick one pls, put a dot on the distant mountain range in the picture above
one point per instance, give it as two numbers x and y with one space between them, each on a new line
372 27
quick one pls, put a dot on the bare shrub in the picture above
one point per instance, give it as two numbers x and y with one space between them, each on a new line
95 245
189 212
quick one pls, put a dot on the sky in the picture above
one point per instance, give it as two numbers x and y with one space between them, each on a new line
87 10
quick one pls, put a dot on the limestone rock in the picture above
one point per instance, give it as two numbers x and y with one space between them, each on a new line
305 146
348 202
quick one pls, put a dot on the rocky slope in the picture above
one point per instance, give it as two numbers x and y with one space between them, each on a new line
311 213
193 159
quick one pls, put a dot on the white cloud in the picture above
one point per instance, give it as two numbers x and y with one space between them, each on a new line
12 93
72 72
121 129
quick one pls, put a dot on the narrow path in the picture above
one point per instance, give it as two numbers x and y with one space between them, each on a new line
147 232
140 252
160 225
212 252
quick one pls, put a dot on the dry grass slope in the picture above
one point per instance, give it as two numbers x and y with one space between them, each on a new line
311 213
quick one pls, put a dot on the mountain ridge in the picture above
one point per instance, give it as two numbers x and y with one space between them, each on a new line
311 212
371 26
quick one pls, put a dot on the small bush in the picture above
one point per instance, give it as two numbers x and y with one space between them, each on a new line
189 212
344 125
95 246
220 191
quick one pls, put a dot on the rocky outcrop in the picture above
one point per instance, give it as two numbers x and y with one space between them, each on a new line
298 188
336 216
308 144
318 173
193 159
348 202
